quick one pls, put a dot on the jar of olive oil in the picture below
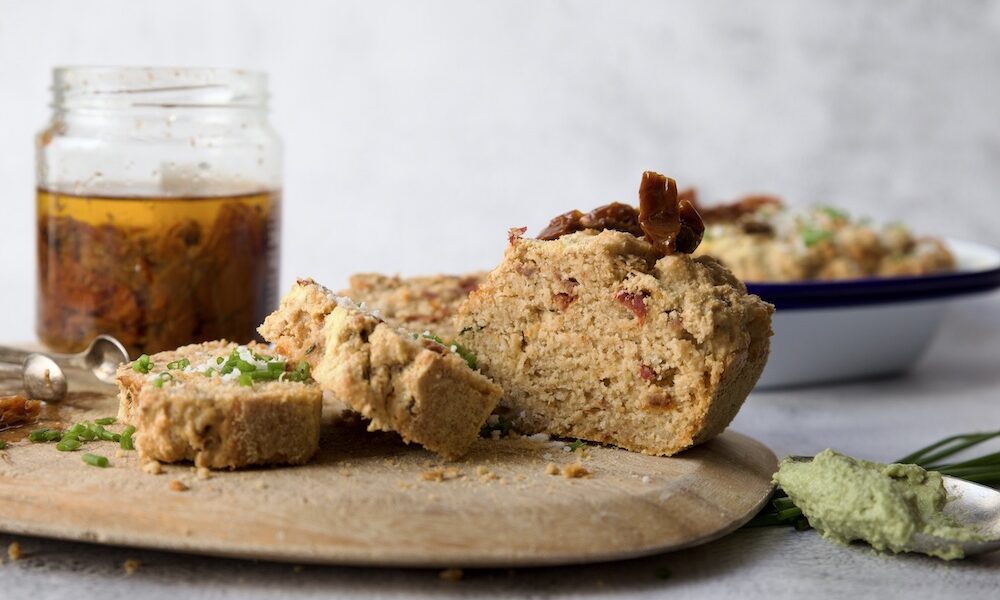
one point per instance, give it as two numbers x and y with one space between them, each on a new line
158 207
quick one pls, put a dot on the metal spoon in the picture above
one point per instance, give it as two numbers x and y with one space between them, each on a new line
42 372
43 378
970 504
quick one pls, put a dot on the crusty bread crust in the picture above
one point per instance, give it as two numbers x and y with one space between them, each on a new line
592 337
416 387
214 423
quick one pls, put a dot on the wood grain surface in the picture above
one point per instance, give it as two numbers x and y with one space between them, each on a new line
369 499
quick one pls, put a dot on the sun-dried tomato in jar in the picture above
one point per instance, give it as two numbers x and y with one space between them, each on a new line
158 207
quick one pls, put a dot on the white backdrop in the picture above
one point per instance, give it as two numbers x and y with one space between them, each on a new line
417 132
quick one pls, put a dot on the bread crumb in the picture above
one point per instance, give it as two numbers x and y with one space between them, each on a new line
152 467
451 574
404 486
260 484
575 471
345 472
551 469
14 551
203 473
645 479
441 474
176 485
119 453
131 565
485 474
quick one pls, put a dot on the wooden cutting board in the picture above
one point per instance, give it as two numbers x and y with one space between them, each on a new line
369 499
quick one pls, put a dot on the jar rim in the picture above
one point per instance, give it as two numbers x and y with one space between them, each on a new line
168 87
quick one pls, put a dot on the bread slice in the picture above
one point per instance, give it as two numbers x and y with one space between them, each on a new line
403 382
416 303
214 420
593 336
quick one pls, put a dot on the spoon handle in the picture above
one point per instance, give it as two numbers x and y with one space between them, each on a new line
12 355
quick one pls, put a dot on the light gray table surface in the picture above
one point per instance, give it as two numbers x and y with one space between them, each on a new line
955 388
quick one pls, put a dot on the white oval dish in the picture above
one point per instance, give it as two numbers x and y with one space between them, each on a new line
828 331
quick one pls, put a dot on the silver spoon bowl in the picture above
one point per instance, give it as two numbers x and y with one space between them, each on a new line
973 505
43 378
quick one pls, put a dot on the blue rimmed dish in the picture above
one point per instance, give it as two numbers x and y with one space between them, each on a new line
828 331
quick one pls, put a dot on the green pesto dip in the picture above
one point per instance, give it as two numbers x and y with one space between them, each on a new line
848 499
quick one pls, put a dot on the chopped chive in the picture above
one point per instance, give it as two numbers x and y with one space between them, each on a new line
219 360
179 364
244 366
161 378
105 421
3 444
277 366
126 442
76 430
246 379
107 436
37 435
208 372
45 435
68 445
574 446
142 364
300 373
95 461
455 347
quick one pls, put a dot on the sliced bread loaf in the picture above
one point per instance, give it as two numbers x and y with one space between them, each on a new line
204 403
404 382
599 336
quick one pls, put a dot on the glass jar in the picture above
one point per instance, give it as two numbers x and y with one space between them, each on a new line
158 207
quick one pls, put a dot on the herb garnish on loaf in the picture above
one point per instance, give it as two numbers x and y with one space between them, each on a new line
408 383
221 405
609 337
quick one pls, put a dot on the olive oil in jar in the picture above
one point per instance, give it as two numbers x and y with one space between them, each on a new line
155 272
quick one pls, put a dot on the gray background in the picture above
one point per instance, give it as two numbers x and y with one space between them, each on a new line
418 132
